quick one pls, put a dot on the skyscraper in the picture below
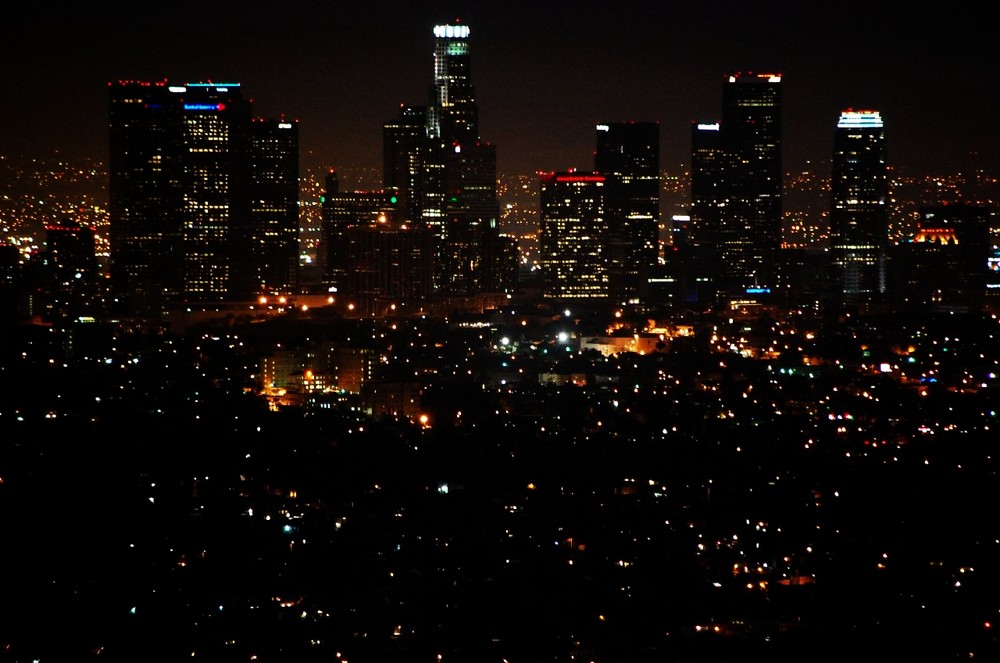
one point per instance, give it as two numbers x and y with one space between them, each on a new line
859 206
453 114
199 195
271 264
710 227
751 125
573 235
446 176
628 153
737 188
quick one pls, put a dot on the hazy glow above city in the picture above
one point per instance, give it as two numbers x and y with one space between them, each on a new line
545 73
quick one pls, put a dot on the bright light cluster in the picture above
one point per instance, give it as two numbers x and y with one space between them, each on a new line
866 119
451 31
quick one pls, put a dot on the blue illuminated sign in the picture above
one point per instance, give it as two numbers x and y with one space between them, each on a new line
211 107
758 291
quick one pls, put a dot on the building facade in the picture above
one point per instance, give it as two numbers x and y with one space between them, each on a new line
574 235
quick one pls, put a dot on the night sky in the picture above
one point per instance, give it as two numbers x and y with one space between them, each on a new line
545 72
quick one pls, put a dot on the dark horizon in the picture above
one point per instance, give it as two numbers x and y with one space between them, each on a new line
544 75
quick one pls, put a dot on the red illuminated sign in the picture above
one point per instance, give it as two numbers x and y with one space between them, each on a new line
579 178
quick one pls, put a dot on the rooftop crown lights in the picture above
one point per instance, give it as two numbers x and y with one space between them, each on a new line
865 119
220 87
451 31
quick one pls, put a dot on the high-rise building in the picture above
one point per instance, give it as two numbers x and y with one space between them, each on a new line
573 235
859 207
736 186
628 153
198 193
751 126
453 115
709 227
271 266
446 178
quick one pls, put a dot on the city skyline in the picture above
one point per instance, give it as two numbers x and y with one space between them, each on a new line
545 75
377 337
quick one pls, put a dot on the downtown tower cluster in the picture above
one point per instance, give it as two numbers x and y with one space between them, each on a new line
204 210
204 201
203 197
433 229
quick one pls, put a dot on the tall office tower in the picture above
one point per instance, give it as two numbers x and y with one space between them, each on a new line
269 264
709 227
736 193
573 235
628 154
446 176
472 252
341 211
453 115
751 134
182 193
859 206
